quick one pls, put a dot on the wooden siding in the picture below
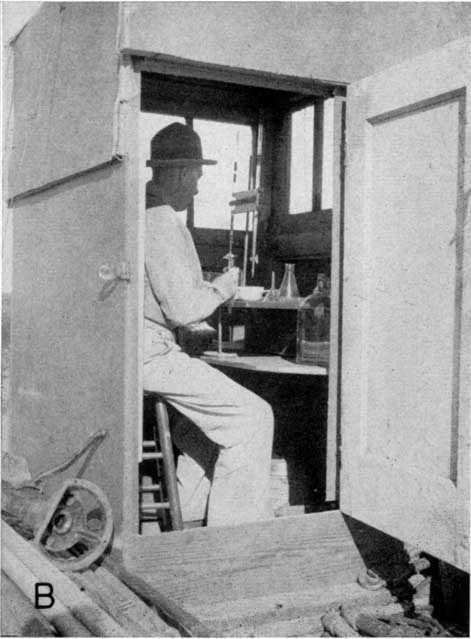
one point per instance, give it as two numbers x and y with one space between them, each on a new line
65 88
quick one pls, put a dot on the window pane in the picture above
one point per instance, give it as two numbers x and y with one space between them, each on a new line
231 146
149 125
302 156
327 156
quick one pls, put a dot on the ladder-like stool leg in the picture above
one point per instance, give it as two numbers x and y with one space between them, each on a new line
163 433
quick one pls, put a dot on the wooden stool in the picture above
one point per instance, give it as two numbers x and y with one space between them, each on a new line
160 449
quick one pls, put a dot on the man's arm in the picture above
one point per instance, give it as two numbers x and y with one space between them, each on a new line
174 275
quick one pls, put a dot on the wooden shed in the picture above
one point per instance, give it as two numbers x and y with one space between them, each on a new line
395 239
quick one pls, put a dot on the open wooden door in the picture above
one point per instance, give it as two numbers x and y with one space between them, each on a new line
77 288
407 303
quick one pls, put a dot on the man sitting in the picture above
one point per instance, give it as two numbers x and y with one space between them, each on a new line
227 437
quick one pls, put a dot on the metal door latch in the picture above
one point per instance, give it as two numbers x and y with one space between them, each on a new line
120 272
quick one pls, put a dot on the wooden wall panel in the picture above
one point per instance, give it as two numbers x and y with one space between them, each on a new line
65 88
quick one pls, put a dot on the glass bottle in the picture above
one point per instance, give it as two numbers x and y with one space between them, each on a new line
289 287
313 329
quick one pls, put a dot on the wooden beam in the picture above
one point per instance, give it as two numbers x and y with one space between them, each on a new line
59 615
318 155
183 67
336 277
19 618
196 98
12 201
119 601
19 557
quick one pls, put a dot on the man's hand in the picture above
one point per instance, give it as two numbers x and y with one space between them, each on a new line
227 282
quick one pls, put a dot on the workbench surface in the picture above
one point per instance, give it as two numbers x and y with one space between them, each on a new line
264 363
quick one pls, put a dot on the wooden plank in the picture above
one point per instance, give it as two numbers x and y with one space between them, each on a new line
215 564
136 617
177 616
58 615
19 617
68 597
106 599
55 183
135 606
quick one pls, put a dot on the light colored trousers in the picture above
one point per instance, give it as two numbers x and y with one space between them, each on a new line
226 440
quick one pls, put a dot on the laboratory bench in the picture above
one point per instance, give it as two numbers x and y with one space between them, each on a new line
264 361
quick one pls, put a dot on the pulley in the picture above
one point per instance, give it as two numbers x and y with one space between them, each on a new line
72 528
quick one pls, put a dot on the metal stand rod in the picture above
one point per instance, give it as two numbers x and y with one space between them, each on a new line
219 331
246 249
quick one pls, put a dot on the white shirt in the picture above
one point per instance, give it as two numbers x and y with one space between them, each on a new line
175 293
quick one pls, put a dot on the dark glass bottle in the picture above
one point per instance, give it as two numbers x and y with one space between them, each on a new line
313 329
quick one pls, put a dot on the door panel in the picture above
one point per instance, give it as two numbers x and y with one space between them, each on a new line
69 331
405 381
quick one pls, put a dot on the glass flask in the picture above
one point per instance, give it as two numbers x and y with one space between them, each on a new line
313 329
288 287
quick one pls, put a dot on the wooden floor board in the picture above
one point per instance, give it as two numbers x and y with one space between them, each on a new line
292 554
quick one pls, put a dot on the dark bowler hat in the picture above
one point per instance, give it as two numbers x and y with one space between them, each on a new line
176 145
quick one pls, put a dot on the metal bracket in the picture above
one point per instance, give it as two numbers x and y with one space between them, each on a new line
120 272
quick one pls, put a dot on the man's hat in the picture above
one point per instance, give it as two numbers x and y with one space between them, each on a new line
176 145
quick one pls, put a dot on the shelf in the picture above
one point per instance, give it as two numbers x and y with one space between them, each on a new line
287 305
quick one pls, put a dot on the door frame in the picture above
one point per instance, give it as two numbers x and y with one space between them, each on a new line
127 147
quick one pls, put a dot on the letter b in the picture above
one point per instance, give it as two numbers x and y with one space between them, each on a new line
43 595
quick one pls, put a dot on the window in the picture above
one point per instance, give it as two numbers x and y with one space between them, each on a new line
230 144
311 154
301 156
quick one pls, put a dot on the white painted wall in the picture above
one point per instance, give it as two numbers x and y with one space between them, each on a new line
341 41
14 17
